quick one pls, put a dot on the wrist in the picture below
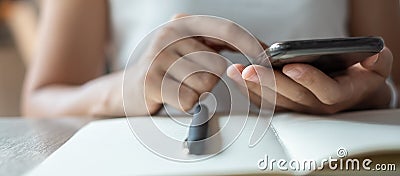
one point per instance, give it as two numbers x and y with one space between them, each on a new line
381 99
108 98
377 99
135 101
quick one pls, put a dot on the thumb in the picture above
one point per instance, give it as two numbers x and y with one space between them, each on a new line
380 63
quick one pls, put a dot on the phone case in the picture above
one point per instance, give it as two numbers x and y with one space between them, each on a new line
326 54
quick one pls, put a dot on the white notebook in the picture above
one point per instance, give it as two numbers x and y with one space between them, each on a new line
108 147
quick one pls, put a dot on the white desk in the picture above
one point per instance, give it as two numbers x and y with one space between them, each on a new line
24 143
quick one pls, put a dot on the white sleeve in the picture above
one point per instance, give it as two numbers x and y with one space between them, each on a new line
394 93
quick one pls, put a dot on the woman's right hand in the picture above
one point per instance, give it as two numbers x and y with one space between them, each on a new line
177 72
170 74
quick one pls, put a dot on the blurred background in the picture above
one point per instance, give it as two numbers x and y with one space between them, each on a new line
18 19
18 26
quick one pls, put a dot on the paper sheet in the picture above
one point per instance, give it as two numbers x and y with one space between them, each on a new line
357 133
108 147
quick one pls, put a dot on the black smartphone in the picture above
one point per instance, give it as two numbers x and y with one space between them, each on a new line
328 55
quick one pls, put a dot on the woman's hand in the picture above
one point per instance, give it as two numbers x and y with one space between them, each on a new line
173 75
304 88
177 72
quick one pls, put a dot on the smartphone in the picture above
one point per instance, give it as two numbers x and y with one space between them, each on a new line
328 55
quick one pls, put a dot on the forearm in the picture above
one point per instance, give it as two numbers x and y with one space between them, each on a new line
99 97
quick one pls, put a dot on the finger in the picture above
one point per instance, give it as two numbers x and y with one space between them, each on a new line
218 44
261 75
234 72
252 90
199 53
284 103
200 78
193 75
213 41
164 60
380 63
178 95
255 91
163 89
210 61
228 31
255 99
284 85
326 89
269 96
190 45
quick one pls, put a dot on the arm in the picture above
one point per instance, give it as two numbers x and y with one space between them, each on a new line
22 20
69 57
66 77
380 18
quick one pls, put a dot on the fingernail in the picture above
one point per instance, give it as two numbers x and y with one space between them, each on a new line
374 60
293 73
237 78
234 73
252 78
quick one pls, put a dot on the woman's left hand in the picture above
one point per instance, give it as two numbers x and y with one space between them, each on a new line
304 88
